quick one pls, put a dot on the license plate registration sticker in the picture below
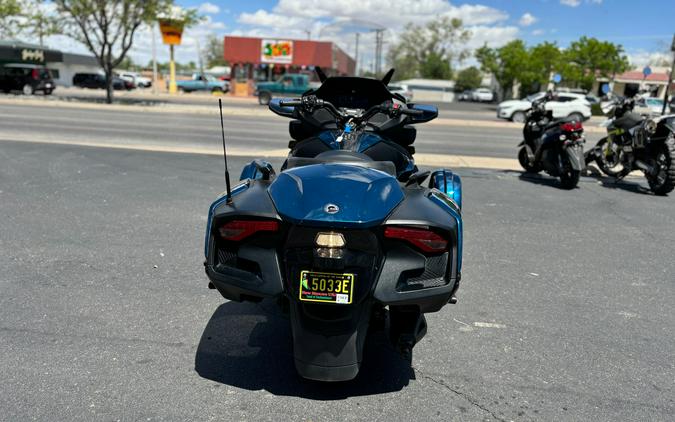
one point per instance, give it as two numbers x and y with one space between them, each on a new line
326 287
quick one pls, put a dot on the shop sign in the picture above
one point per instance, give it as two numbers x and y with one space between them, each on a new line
172 31
28 55
276 51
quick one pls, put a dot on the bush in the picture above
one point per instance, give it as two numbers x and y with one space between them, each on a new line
596 110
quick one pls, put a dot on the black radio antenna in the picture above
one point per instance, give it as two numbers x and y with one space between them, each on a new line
227 173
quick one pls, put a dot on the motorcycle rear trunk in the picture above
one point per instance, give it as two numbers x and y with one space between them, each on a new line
276 252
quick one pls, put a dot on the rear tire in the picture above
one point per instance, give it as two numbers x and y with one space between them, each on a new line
569 179
518 117
664 182
264 98
524 161
576 116
27 90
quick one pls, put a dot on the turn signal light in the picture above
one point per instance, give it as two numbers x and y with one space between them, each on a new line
426 240
237 230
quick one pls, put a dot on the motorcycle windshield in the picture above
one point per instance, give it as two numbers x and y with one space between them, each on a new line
345 195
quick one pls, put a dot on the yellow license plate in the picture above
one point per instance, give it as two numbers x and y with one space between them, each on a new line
326 287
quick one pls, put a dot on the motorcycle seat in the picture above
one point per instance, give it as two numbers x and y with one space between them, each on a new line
345 157
628 121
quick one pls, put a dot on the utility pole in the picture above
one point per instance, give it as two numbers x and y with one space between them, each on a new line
356 56
379 33
154 61
670 79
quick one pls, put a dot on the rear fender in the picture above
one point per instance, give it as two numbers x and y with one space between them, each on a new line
575 155
449 183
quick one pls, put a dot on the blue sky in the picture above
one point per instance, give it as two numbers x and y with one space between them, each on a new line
644 28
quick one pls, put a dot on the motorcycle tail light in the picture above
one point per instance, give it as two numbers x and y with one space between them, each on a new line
424 239
238 230
571 127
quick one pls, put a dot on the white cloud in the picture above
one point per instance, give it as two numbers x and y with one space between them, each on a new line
570 3
641 58
208 8
538 32
271 20
527 19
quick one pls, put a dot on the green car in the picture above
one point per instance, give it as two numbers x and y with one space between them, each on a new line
289 85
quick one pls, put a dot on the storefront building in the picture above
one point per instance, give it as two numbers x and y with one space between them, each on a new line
62 66
261 59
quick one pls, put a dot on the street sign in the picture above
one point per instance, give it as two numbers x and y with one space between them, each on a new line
557 78
646 71
172 31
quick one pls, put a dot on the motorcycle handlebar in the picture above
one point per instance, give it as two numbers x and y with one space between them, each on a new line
290 102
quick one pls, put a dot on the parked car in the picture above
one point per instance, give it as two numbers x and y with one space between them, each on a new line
483 95
465 96
201 82
136 78
565 105
401 90
649 106
97 81
27 78
290 84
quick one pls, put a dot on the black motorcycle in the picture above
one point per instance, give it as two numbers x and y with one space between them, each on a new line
635 142
552 145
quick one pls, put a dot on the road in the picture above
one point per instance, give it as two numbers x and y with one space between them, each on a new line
253 134
566 308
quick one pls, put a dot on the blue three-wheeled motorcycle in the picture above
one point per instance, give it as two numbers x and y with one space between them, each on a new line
347 236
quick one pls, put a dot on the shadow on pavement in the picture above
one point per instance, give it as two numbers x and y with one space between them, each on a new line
539 179
249 346
623 184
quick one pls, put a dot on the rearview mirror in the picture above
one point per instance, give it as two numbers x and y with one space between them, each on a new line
277 108
429 113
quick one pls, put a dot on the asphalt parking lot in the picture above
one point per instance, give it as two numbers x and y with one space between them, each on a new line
565 311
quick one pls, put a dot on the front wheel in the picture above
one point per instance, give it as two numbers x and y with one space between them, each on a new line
264 98
524 161
609 158
569 179
664 181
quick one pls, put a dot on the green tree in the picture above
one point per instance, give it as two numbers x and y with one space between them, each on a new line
107 28
40 23
429 50
214 52
589 58
469 78
9 17
506 63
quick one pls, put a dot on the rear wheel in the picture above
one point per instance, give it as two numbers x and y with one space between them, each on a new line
576 116
664 180
524 161
264 98
569 178
27 89
518 117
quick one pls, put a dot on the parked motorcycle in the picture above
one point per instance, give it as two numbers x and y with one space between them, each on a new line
346 237
635 142
552 145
